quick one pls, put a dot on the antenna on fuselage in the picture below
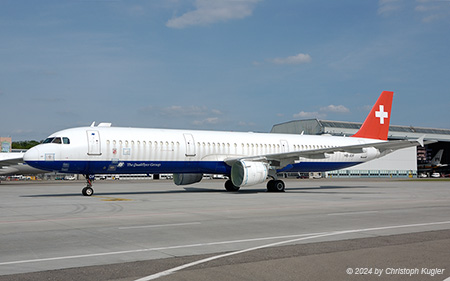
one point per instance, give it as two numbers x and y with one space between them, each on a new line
93 124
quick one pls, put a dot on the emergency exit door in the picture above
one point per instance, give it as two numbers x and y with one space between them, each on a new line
190 145
284 146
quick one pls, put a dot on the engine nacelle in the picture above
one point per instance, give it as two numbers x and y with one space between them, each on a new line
185 179
371 153
246 173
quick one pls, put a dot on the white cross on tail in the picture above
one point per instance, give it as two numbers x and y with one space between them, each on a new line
381 114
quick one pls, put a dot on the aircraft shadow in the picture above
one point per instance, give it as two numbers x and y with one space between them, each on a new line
320 189
328 190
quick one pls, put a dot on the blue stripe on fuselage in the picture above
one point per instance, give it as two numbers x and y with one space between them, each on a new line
133 167
157 167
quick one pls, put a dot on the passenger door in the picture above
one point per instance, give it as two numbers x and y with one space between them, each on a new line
94 145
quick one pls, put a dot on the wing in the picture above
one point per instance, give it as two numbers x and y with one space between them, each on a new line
9 159
13 164
286 158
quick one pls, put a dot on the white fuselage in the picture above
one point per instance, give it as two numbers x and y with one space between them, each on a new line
94 150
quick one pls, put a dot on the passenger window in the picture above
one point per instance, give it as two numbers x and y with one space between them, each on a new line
66 141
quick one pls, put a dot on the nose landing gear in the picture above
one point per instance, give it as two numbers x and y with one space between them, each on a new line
88 190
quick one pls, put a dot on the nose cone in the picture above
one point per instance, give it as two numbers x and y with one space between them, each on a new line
32 155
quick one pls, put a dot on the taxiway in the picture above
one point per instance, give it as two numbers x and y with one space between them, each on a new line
154 229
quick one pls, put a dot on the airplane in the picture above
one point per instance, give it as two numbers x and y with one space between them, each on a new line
11 163
247 158
434 164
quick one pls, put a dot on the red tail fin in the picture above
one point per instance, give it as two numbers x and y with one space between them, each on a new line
376 125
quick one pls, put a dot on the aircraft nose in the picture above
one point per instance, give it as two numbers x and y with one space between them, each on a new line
31 155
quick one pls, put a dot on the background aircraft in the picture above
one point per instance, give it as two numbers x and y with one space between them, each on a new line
429 169
11 163
435 163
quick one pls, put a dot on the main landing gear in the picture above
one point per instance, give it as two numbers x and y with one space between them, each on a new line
272 186
275 186
229 186
88 190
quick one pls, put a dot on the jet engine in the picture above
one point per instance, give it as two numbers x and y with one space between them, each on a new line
185 179
371 153
246 172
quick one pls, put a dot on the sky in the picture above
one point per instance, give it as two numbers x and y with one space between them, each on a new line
235 65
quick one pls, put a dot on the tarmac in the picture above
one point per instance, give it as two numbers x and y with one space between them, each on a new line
326 229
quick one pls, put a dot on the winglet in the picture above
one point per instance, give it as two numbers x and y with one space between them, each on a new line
376 125
420 140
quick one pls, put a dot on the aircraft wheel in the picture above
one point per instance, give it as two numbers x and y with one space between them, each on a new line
279 186
275 186
270 186
229 186
87 191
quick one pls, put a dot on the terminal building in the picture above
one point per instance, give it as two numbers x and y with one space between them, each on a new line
401 163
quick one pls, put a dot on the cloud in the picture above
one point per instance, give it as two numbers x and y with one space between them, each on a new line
314 114
386 7
246 124
183 111
216 111
206 121
322 113
212 11
180 111
429 10
297 59
433 10
335 109
194 115
425 8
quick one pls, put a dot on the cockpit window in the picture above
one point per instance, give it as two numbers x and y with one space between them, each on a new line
57 140
48 140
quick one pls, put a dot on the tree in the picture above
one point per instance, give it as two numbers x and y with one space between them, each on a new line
24 144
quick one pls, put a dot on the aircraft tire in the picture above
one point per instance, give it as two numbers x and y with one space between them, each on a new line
275 186
229 186
279 186
270 186
87 191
